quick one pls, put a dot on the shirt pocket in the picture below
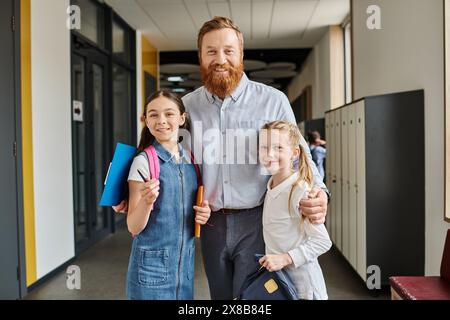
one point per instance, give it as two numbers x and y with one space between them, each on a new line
153 266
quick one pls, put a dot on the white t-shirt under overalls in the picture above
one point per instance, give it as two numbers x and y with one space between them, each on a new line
303 241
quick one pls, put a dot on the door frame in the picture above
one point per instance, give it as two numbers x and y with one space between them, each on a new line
19 157
94 56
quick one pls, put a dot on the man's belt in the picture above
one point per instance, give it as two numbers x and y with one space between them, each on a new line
234 211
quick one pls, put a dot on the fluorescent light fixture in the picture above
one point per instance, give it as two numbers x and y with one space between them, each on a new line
175 79
179 90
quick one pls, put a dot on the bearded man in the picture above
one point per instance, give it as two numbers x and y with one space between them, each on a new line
229 100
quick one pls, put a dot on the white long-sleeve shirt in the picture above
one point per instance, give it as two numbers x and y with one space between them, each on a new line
302 240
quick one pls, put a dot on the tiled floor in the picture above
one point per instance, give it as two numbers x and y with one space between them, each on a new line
104 266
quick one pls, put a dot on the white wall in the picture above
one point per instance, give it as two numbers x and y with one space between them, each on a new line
315 72
407 54
52 142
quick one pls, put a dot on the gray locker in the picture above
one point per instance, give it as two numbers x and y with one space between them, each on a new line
379 183
352 184
361 266
338 178
345 184
329 222
332 177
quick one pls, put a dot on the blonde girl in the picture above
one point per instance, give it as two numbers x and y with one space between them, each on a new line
292 242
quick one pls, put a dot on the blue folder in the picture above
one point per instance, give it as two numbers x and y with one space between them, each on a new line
116 186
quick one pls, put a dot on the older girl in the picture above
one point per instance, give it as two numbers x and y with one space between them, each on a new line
161 212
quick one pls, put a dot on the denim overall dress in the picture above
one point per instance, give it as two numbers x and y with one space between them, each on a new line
161 263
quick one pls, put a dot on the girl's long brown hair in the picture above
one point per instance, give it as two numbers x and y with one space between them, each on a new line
146 137
304 169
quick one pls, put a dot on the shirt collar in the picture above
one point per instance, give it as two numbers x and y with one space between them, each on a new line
235 94
287 183
165 155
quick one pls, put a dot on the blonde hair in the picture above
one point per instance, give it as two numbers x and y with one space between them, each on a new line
218 23
304 169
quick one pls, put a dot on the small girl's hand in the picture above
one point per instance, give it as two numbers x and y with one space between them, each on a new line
202 213
150 191
275 262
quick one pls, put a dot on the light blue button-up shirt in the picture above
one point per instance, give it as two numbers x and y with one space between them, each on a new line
232 175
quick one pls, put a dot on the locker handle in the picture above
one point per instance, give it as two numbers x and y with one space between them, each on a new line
334 180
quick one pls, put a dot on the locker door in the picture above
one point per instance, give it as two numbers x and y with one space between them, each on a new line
345 184
338 184
352 183
329 220
331 159
361 191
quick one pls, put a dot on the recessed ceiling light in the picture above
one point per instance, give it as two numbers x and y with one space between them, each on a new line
175 79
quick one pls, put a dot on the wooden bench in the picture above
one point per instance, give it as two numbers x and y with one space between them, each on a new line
427 287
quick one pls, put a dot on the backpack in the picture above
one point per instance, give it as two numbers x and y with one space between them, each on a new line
265 285
153 165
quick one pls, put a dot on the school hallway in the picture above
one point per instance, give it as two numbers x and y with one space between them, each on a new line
103 274
366 84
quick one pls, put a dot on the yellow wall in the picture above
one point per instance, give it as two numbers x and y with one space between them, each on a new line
27 142
149 64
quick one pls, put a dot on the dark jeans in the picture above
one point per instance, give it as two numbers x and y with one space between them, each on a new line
229 243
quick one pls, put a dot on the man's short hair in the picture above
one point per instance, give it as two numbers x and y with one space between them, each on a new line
218 23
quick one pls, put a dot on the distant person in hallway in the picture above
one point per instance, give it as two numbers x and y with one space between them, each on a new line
161 212
318 152
228 101
292 242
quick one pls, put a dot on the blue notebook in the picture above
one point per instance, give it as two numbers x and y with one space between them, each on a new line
116 186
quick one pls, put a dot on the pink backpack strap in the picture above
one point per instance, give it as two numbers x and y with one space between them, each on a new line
153 166
153 162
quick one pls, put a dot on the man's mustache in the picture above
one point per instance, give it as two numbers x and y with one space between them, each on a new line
225 66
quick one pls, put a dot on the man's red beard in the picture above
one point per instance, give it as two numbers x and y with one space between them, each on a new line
222 85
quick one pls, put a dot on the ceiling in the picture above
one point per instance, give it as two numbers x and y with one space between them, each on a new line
172 25
275 31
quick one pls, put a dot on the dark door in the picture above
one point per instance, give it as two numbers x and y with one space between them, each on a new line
90 120
9 239
150 84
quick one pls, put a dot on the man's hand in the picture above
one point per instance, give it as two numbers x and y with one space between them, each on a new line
121 207
275 262
315 207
